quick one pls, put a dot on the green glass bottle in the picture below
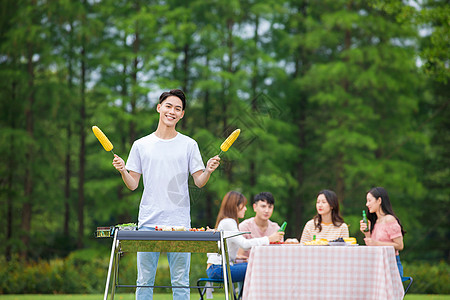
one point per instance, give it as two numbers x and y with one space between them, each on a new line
283 227
365 221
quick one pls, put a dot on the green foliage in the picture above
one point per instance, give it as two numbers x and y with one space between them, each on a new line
428 278
327 95
83 272
434 19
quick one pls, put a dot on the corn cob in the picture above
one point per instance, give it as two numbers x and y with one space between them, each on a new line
102 139
230 140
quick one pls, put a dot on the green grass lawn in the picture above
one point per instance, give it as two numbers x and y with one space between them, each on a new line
194 296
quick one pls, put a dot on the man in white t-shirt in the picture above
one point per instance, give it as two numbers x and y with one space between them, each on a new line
165 159
259 225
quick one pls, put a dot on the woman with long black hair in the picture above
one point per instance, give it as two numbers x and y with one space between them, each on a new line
328 223
385 228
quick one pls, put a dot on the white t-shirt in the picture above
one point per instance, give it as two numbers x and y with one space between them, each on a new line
234 243
165 166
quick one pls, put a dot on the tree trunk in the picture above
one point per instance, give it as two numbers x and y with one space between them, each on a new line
254 82
27 205
9 199
82 158
68 170
185 86
228 165
123 217
206 112
301 63
340 176
340 181
9 207
298 204
133 99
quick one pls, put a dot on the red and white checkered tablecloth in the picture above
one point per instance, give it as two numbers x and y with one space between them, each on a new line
322 272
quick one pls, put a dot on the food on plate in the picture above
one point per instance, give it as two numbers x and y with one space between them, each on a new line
102 138
343 241
286 242
197 229
276 243
127 226
170 228
350 240
337 242
291 241
319 242
176 228
230 140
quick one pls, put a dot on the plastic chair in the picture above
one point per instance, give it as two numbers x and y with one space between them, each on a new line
202 291
409 284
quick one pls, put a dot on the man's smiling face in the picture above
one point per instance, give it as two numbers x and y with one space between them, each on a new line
170 111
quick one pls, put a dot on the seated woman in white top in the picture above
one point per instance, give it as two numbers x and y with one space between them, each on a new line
328 223
233 208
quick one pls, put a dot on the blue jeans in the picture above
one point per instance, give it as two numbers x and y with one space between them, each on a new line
237 272
399 265
147 263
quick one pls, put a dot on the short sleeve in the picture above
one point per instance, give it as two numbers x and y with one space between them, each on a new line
195 161
244 226
393 230
134 160
306 234
344 231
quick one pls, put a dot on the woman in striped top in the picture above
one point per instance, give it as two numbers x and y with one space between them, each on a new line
328 223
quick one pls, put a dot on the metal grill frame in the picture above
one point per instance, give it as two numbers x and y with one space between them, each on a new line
164 241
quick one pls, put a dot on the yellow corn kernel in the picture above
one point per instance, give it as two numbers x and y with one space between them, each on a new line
230 140
102 138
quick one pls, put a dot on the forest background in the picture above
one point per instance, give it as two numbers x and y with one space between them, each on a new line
332 94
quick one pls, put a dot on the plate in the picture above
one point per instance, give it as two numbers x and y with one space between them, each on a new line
337 243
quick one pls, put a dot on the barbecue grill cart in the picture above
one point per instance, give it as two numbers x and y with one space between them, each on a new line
167 241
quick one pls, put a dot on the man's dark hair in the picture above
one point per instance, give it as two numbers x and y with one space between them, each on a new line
177 93
264 196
